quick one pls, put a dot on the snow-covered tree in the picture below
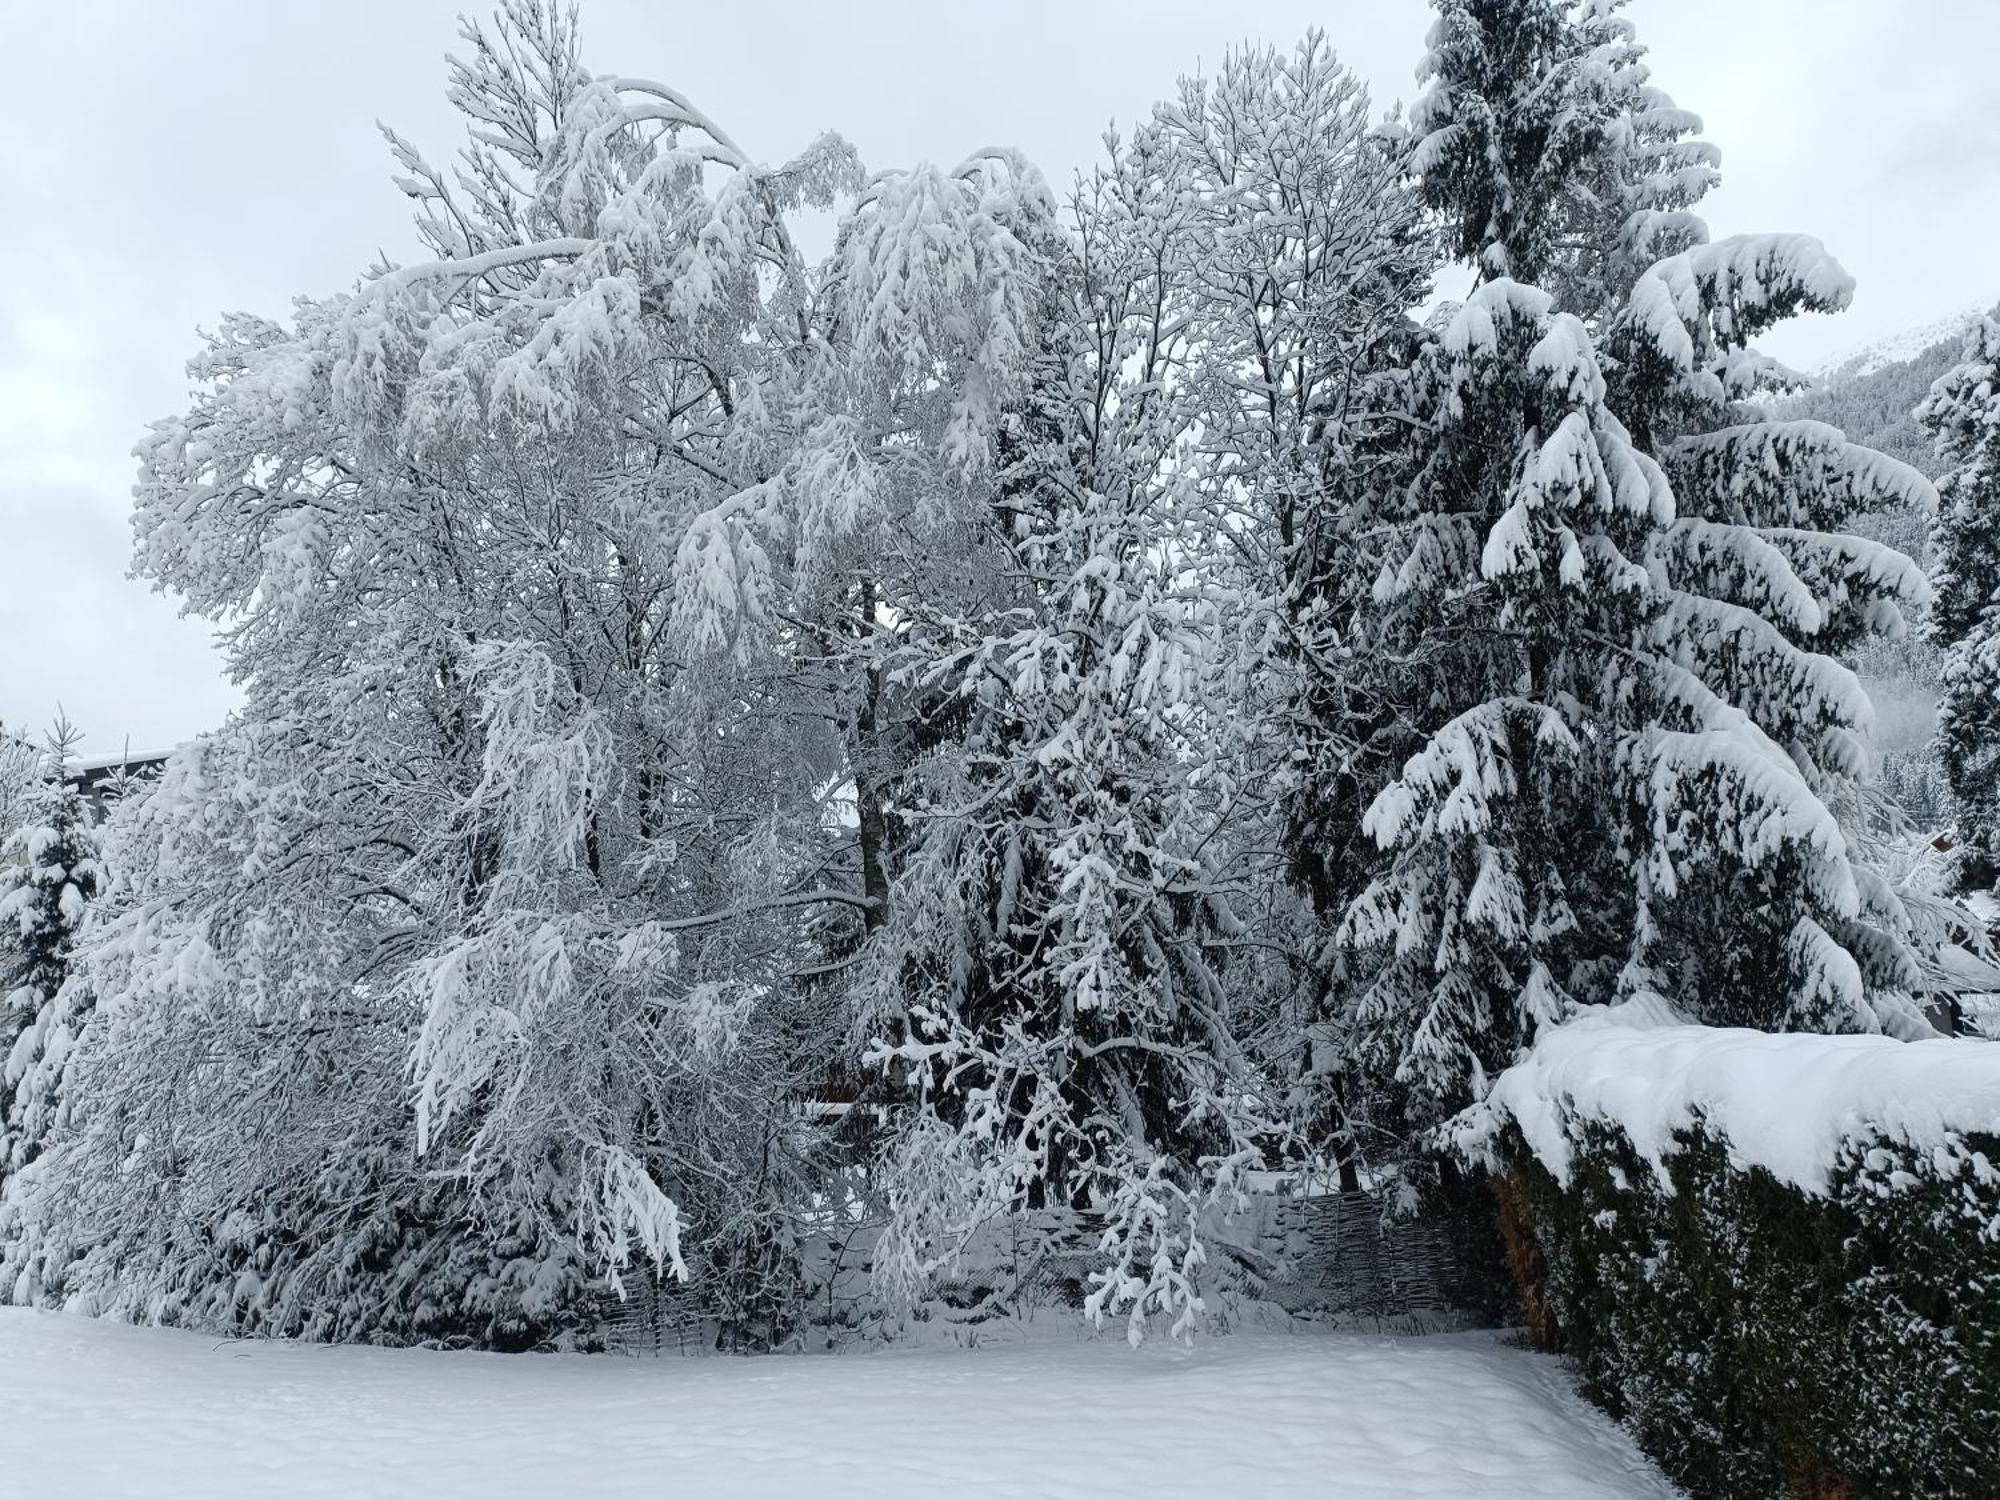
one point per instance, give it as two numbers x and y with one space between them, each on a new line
1610 605
1532 506
1080 969
931 298
20 774
49 873
1553 157
1310 251
472 934
1502 137
1045 994
1962 414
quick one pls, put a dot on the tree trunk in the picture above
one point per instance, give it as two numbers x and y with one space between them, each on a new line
867 795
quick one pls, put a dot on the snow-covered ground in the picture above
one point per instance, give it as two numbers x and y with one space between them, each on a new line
99 1410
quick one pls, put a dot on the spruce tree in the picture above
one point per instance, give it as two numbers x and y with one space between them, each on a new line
1605 595
50 875
1503 138
1962 415
1519 590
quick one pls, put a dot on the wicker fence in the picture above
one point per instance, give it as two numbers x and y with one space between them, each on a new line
1342 1254
1326 1256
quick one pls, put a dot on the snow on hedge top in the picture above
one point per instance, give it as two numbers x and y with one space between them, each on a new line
1787 1103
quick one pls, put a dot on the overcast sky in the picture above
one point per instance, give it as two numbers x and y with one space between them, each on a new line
167 160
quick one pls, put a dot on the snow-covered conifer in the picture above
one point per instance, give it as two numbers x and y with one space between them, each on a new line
1553 157
49 873
1962 414
1614 596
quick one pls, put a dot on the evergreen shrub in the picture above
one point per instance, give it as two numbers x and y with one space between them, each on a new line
1758 1339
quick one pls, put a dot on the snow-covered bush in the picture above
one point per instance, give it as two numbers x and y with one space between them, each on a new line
1775 1258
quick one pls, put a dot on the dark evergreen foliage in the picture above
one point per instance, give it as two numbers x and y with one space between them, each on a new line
1962 414
1753 1336
49 876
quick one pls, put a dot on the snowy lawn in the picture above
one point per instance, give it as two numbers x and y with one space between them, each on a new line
100 1410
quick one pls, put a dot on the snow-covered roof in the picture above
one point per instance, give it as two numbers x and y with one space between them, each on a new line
94 777
133 760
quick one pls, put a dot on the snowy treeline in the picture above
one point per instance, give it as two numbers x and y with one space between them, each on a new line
1061 700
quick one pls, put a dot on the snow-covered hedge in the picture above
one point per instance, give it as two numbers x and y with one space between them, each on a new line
1776 1258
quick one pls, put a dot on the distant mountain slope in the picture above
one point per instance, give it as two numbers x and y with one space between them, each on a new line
1870 393
1898 348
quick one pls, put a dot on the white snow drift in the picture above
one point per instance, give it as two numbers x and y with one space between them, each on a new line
99 1409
